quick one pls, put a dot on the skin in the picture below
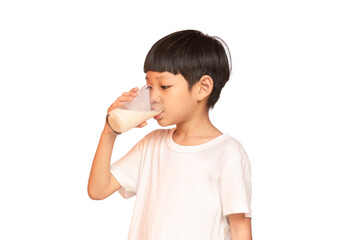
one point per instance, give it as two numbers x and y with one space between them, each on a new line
240 227
182 107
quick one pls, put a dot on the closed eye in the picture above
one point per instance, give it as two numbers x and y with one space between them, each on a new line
165 87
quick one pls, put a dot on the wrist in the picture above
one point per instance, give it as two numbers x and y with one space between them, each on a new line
109 135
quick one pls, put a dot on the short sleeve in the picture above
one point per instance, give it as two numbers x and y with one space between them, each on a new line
126 170
235 186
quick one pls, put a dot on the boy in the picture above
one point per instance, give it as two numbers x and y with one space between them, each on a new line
191 181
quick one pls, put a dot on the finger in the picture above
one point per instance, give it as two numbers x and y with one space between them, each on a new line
133 94
141 125
135 89
115 105
129 94
125 99
121 98
110 109
126 94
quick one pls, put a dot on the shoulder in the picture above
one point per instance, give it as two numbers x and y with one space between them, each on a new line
152 139
233 145
232 149
157 135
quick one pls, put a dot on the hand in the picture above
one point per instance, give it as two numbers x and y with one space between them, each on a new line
125 97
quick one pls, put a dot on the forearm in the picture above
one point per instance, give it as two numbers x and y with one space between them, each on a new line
244 234
100 171
240 227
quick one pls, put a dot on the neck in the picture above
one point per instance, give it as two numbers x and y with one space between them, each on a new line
198 126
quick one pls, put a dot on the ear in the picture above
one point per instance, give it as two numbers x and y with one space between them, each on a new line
205 86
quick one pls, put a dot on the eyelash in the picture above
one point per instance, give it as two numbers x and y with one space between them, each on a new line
162 87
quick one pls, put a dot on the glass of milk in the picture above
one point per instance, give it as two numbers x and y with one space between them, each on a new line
145 105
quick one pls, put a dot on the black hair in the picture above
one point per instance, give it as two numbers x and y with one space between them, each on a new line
193 54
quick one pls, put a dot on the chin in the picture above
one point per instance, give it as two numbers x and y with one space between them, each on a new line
164 123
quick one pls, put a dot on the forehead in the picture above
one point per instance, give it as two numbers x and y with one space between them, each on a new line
155 76
166 78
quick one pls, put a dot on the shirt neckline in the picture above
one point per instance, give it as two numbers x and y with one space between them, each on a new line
194 148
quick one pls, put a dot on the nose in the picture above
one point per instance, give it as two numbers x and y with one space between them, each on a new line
155 98
156 101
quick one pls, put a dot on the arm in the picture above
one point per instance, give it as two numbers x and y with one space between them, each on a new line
101 183
240 227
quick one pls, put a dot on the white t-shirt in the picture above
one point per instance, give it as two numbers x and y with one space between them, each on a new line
184 192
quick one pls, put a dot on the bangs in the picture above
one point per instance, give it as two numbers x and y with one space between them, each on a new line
193 55
161 61
172 53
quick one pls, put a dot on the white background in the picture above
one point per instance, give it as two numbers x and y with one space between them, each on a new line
292 101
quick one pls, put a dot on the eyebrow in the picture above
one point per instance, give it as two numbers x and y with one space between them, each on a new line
159 77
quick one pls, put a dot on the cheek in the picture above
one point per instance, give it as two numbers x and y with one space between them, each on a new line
178 102
178 108
170 99
176 99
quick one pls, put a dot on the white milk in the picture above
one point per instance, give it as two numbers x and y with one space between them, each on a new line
121 120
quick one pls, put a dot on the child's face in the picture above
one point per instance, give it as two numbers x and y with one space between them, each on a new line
179 103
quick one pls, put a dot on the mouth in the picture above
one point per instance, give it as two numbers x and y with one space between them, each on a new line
157 117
